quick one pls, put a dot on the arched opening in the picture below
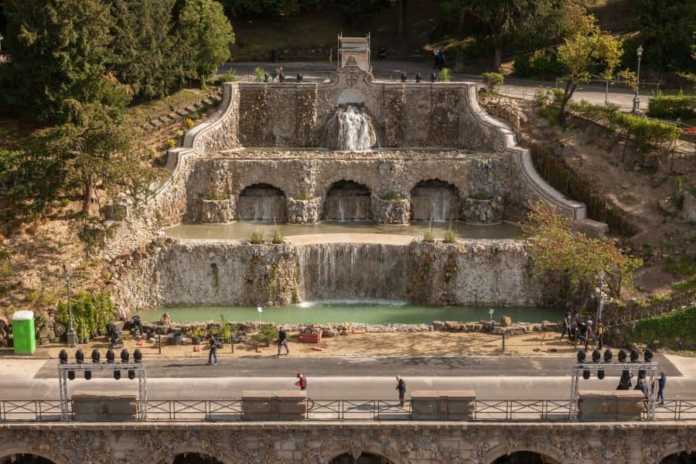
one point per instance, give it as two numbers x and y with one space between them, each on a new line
434 201
364 458
680 458
262 203
195 458
525 457
25 459
347 201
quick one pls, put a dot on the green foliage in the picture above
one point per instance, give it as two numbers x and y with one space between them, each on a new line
277 238
393 195
676 329
445 75
265 335
450 236
59 50
540 64
204 38
90 314
673 107
493 81
586 262
683 265
666 32
646 133
260 74
428 236
256 238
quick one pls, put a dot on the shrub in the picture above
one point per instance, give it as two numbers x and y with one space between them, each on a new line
450 236
265 335
256 238
189 123
90 314
260 74
673 107
393 196
278 238
646 133
428 236
676 329
445 75
542 64
493 80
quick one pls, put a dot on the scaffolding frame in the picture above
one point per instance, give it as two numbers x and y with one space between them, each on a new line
63 381
650 369
341 47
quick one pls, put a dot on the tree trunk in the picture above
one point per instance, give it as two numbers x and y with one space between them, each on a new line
567 95
498 58
87 197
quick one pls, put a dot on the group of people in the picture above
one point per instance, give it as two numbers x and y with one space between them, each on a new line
642 385
583 331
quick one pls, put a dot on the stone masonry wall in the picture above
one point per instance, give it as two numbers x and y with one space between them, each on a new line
231 273
319 443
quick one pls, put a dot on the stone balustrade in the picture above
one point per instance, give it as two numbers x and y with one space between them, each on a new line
610 406
278 405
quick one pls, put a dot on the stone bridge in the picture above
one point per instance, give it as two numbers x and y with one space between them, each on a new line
348 442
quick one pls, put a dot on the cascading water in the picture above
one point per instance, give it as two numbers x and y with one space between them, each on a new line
351 129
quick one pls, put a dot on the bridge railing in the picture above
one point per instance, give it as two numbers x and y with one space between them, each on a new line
336 410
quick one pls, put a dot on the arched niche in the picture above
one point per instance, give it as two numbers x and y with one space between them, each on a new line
435 201
525 457
347 201
195 458
364 458
263 203
27 458
684 457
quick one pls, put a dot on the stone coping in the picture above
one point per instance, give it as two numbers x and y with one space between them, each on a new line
443 394
376 239
319 425
616 394
273 394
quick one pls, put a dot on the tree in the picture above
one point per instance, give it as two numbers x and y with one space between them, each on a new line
588 51
586 262
666 31
204 39
142 51
59 50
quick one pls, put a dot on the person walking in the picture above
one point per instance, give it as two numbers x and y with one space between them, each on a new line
566 326
588 333
283 341
642 385
212 354
600 335
301 381
661 382
401 388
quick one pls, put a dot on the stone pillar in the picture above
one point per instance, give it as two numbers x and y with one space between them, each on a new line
216 211
304 211
482 210
443 405
280 405
391 211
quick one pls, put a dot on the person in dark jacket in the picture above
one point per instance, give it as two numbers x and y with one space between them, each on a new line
661 382
212 355
283 341
401 388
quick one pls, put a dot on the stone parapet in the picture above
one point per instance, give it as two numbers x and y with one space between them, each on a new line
277 405
610 406
104 406
443 405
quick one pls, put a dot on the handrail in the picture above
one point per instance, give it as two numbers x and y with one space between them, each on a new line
230 410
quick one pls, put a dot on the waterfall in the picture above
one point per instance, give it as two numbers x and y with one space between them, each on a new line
350 129
341 211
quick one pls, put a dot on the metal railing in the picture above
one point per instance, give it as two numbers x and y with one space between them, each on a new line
337 410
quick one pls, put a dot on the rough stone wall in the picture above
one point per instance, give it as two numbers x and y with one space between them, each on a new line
311 174
319 443
232 273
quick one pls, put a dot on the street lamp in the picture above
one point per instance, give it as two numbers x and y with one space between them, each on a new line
636 98
71 336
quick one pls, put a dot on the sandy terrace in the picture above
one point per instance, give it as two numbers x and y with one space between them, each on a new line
366 345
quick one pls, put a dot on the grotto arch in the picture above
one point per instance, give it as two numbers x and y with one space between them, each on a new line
525 457
683 457
364 458
347 201
434 200
262 203
25 458
195 458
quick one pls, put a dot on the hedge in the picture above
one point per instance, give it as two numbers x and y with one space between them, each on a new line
673 107
676 329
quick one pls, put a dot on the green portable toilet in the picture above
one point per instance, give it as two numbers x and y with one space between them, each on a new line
23 332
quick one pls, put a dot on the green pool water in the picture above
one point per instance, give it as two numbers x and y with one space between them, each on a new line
373 312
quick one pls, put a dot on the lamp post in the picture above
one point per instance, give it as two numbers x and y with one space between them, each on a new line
71 336
636 98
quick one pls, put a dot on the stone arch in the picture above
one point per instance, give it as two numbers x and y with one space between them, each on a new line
435 200
498 454
263 203
347 201
683 457
364 457
525 457
25 458
195 458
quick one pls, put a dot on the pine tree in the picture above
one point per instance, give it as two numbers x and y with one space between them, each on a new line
59 50
142 47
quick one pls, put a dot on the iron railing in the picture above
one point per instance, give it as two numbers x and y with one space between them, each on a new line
337 410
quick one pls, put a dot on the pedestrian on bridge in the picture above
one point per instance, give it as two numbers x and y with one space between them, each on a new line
401 387
661 382
301 381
